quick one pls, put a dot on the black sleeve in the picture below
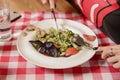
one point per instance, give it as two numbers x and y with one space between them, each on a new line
111 25
118 2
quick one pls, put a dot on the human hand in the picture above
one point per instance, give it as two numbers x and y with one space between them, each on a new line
111 54
51 3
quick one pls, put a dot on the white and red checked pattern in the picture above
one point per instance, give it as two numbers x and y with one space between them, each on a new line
14 67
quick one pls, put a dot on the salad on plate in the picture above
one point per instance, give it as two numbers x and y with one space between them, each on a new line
62 43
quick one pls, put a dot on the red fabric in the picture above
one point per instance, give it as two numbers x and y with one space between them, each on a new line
14 67
96 10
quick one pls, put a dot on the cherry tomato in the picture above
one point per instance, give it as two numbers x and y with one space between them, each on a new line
71 51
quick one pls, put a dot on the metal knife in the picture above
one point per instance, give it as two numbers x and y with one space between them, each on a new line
53 12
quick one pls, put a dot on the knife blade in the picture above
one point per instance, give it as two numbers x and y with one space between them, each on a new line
53 12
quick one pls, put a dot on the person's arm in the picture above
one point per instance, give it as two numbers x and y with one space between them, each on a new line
111 54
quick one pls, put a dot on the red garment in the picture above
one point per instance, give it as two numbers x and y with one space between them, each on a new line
96 10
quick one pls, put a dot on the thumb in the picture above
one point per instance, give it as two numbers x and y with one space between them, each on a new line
52 4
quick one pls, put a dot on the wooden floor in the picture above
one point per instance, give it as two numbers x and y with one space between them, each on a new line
36 5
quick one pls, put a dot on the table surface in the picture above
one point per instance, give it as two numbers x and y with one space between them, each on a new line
14 67
36 5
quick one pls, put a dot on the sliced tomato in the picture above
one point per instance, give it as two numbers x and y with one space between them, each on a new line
71 51
89 37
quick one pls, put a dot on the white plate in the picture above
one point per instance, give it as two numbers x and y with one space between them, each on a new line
30 54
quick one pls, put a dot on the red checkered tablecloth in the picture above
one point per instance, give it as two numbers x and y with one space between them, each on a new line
14 67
